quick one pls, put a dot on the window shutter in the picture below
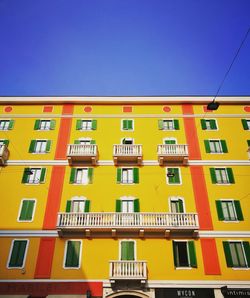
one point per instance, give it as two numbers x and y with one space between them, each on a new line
136 175
48 145
52 124
25 175
180 203
119 175
30 209
171 179
224 146
27 210
219 210
203 124
77 142
124 124
160 124
73 252
72 175
213 176
118 206
192 255
247 251
130 252
78 124
6 142
230 175
11 125
124 250
130 124
90 175
94 124
176 124
207 146
213 124
238 210
175 252
37 124
23 210
227 252
43 171
87 203
176 175
68 206
244 123
136 205
17 254
92 142
248 143
32 146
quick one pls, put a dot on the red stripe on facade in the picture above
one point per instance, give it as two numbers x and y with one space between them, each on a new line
210 256
45 258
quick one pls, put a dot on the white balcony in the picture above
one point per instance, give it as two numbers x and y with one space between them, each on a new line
127 154
172 153
4 154
137 222
86 154
128 270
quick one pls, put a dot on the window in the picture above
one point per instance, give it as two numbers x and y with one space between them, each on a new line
246 124
127 250
215 146
81 175
86 124
237 254
4 142
173 176
34 175
85 141
128 141
26 211
40 146
168 124
209 124
127 175
127 205
127 124
222 175
184 254
229 210
6 124
77 204
176 205
72 254
169 141
45 125
17 254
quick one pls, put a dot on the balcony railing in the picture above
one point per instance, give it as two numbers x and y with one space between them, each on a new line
133 270
127 153
4 154
82 153
172 153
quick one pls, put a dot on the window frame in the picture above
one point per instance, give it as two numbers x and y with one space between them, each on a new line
136 204
234 267
221 144
176 199
246 123
65 255
7 123
50 124
229 175
24 256
188 254
133 124
93 124
179 173
169 139
43 171
237 210
209 129
120 249
73 174
130 139
20 210
69 204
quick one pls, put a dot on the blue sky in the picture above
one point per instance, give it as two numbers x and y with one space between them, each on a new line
123 47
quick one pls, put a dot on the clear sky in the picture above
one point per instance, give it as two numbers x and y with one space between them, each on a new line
123 47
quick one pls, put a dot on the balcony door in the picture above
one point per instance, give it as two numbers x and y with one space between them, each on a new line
127 252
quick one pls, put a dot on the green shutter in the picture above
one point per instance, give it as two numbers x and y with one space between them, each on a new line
48 145
136 205
247 251
180 205
27 210
230 175
192 255
90 175
68 206
207 146
176 175
77 142
87 203
130 124
127 250
25 175
176 124
73 253
248 143
213 124
32 146
37 124
118 205
213 176
43 171
136 175
171 180
17 254
238 210
23 210
92 142
160 124
52 124
203 124
244 123
119 175
11 125
219 210
72 175
227 252
175 253
78 124
94 124
6 142
125 124
224 146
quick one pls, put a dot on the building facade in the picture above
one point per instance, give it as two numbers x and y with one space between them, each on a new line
124 196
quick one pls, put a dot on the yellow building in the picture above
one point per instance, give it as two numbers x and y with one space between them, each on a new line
124 196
